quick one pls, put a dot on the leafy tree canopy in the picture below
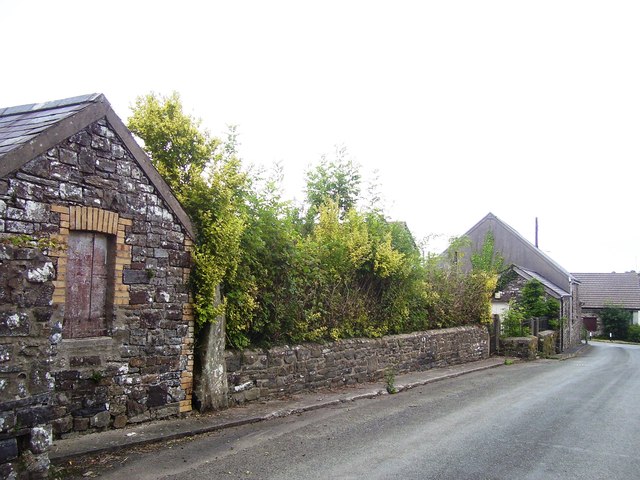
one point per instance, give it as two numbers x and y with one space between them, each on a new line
336 271
178 148
337 180
486 259
535 303
206 177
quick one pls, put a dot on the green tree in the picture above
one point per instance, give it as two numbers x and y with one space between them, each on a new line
337 272
337 180
457 298
174 141
533 299
535 303
633 333
206 177
486 259
512 321
616 320
260 294
216 204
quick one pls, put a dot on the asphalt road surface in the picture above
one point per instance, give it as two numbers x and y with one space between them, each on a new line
540 420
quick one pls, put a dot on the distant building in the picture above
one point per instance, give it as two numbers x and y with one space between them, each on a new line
527 261
513 280
598 290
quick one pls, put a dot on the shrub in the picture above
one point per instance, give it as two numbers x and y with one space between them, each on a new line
536 304
280 273
616 321
633 333
512 322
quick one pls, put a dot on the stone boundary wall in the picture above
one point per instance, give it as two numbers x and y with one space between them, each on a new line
256 374
547 340
521 347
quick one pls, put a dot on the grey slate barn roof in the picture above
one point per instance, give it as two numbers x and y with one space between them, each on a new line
549 287
27 131
21 125
517 250
600 289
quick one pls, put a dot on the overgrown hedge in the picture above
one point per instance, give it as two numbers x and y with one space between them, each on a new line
323 270
357 276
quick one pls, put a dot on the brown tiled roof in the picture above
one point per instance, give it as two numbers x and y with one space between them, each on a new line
600 289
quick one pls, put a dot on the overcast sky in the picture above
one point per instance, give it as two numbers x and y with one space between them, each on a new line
523 109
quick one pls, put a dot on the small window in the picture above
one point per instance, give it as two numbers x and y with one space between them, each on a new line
89 283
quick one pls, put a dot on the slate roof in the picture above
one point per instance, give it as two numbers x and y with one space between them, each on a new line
27 131
22 124
533 249
516 249
550 287
599 289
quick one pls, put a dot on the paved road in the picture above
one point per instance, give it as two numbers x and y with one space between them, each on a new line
539 420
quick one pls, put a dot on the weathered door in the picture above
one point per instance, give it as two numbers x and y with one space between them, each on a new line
590 323
87 285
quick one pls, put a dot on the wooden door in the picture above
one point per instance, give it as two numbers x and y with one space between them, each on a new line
87 285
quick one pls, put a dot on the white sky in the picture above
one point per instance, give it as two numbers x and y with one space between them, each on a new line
525 109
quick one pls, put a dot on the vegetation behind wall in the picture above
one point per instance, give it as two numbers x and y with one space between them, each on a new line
332 267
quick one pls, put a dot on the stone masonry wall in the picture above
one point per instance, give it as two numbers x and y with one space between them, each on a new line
574 325
513 289
255 374
142 368
521 347
547 343
27 340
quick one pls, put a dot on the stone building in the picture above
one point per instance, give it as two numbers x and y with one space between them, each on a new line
96 323
511 283
599 290
531 262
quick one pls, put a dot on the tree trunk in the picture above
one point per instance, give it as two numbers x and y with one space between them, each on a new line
210 378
